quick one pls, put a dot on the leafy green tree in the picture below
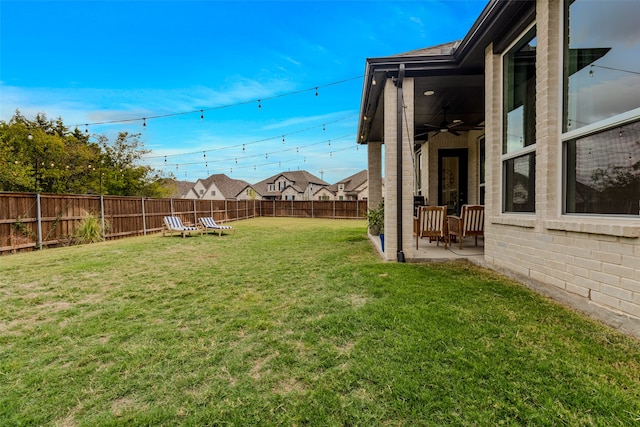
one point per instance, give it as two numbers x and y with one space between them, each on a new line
43 155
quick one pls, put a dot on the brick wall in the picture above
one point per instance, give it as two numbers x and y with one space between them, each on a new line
589 262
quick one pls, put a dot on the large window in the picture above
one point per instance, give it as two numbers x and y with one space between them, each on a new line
519 132
601 127
601 60
603 172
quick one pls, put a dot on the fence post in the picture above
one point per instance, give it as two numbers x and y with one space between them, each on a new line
171 200
312 215
334 208
144 218
39 220
195 213
102 216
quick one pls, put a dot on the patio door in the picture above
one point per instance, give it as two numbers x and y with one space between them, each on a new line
452 179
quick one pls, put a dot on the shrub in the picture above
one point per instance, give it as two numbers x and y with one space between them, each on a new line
89 230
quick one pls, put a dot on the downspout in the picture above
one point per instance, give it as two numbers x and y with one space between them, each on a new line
400 104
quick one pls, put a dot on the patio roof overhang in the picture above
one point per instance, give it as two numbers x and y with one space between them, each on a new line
454 72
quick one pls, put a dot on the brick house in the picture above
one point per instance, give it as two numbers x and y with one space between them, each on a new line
296 185
535 114
353 187
218 187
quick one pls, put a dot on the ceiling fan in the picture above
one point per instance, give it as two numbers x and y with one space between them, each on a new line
445 126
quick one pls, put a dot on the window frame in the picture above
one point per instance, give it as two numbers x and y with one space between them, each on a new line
601 126
511 155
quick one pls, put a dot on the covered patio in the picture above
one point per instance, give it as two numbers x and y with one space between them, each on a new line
430 252
422 117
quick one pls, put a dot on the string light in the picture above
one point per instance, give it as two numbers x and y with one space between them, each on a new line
201 115
316 88
223 160
283 139
259 105
257 141
144 122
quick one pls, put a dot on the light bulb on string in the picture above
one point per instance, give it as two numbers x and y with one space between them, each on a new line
236 160
259 104
591 71
329 143
243 147
316 90
266 156
204 154
86 129
330 153
323 128
176 166
201 115
144 123
283 139
297 150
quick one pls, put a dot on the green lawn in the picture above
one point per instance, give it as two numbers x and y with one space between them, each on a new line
294 322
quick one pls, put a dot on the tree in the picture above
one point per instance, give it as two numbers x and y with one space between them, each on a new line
44 156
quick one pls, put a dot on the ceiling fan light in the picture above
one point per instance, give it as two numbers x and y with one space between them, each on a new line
429 92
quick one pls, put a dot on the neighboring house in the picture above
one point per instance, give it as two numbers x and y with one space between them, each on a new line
351 188
297 185
218 187
179 188
248 192
536 116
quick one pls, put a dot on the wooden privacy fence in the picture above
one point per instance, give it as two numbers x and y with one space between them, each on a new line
32 221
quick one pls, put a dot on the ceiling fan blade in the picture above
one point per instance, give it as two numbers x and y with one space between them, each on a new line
456 133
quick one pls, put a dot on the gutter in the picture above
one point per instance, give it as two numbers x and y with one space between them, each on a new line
400 111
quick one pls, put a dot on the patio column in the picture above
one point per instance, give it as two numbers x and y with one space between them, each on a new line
374 174
399 184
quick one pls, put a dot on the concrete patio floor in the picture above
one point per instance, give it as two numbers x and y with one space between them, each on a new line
432 252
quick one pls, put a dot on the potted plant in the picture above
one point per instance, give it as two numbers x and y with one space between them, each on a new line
375 217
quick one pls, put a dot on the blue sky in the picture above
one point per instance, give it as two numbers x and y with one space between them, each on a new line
91 62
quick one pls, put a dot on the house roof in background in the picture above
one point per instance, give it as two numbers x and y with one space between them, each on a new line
229 187
300 180
351 183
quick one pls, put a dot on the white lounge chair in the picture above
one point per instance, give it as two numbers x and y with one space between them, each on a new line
174 224
209 224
